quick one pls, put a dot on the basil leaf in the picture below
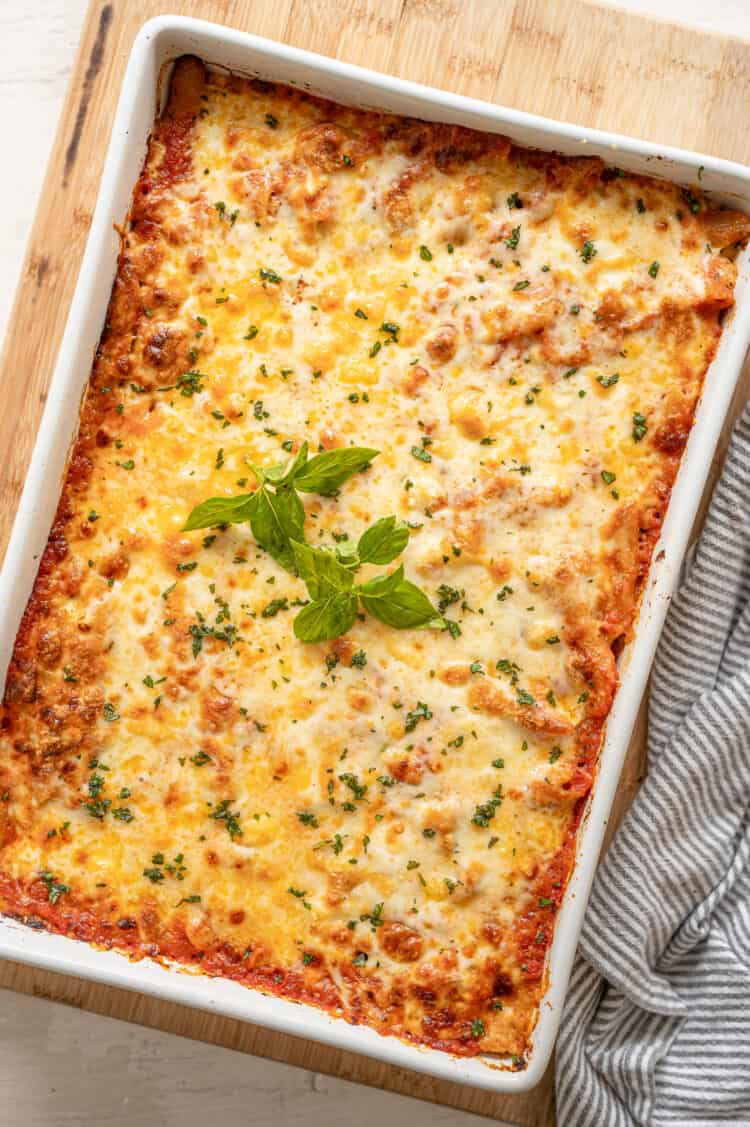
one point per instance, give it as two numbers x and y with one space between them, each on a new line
220 510
347 554
294 467
398 602
383 541
272 474
327 618
327 472
321 571
276 519
382 586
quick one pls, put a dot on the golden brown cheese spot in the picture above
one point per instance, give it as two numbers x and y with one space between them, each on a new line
442 346
401 942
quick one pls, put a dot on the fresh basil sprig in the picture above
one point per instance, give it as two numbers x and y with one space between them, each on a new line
335 599
277 519
275 512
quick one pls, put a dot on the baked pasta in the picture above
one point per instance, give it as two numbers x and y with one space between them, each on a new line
378 440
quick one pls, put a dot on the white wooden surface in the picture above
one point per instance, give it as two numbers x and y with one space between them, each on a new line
60 1067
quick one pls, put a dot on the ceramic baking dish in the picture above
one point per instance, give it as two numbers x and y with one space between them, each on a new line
159 42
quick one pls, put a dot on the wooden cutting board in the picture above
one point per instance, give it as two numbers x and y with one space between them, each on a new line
568 59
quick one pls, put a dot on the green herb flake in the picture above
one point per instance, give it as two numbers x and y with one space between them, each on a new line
413 717
55 888
640 426
512 241
222 813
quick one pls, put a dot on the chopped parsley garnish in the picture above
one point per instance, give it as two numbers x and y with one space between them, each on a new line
588 251
222 813
375 917
511 669
485 812
413 717
446 596
692 201
640 427
358 789
55 888
200 758
190 383
512 241
275 605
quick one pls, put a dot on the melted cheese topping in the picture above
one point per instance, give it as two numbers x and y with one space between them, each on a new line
383 825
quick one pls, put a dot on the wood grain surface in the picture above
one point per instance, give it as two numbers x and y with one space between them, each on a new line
568 59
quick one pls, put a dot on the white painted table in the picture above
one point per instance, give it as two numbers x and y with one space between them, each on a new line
60 1067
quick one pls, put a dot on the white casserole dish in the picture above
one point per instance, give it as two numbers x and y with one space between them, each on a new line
160 41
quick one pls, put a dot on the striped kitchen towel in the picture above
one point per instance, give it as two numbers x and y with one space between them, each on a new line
656 1027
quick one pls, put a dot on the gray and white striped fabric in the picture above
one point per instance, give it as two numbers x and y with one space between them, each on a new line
656 1027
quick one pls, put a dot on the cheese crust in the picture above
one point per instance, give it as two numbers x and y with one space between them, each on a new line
382 826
